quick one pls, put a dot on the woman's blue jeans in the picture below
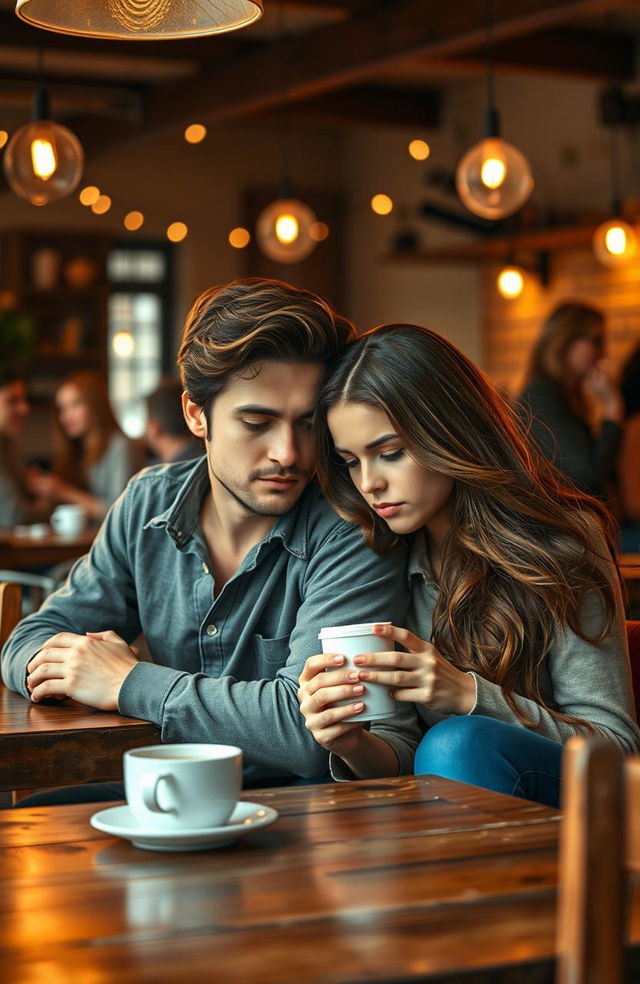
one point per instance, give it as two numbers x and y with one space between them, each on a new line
507 758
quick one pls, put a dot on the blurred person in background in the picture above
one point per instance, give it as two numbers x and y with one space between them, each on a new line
575 408
629 459
167 435
17 503
93 458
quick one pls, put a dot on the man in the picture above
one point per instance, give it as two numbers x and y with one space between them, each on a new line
167 434
16 503
229 565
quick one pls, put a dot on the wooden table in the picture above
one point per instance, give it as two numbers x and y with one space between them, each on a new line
18 553
410 879
57 746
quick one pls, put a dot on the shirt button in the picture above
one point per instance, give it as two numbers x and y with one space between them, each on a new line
212 630
205 567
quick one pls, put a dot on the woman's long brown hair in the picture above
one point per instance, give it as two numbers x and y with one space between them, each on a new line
524 548
74 457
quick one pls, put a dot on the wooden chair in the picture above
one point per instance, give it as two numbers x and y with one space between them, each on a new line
599 844
10 609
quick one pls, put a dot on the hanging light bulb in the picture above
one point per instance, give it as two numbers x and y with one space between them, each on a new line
615 242
285 230
142 20
510 282
43 161
493 178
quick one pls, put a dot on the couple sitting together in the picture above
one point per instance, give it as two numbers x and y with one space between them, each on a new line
347 479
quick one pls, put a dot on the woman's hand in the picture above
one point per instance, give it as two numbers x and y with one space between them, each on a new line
319 690
606 393
420 675
46 485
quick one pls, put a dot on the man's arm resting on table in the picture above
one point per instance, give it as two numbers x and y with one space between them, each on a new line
89 668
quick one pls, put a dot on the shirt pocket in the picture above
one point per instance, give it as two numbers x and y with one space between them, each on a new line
270 655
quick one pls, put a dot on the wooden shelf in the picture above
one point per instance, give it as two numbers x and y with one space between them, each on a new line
499 247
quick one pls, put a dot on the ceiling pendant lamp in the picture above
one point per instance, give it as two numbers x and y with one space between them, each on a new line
493 179
284 228
140 20
615 242
43 160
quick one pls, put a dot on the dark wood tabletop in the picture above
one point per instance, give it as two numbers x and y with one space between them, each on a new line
409 879
19 553
42 745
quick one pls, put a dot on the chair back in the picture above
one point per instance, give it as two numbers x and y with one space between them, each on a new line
599 843
633 638
10 609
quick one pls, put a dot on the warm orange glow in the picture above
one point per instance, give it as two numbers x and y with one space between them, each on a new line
102 205
382 204
89 195
510 283
177 231
4 136
133 221
419 150
239 237
195 133
43 158
318 231
286 229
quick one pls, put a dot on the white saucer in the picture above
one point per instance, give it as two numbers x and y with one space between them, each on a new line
119 820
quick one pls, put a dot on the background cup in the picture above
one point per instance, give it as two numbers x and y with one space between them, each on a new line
182 787
350 640
68 520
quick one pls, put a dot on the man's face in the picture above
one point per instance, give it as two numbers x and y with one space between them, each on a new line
259 443
14 407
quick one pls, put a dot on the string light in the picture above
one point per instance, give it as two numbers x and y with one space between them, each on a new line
239 237
177 231
89 195
101 205
133 220
382 204
419 150
195 133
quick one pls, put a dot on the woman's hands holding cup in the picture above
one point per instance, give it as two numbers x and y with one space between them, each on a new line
322 683
420 675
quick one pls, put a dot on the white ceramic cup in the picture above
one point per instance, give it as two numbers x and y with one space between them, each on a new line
350 640
68 520
182 787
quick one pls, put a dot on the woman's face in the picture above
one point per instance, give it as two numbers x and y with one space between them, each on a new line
586 351
73 412
406 495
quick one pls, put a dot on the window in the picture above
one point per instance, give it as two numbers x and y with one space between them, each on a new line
139 327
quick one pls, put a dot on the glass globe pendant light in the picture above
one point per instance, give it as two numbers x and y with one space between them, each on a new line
284 228
43 161
615 242
139 20
493 178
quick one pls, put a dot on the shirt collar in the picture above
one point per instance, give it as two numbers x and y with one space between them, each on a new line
419 563
181 519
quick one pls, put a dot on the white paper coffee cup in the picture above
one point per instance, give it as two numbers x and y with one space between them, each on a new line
182 787
350 640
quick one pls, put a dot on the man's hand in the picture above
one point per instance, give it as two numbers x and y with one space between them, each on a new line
89 668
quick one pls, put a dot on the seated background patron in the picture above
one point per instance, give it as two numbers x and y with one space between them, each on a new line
167 434
93 458
17 503
566 381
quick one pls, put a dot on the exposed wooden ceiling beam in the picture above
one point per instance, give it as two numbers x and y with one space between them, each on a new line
345 53
372 105
561 51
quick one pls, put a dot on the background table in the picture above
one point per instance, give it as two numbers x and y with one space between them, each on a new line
57 746
21 553
406 879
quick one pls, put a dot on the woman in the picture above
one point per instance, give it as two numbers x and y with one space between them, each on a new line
565 380
93 459
516 638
